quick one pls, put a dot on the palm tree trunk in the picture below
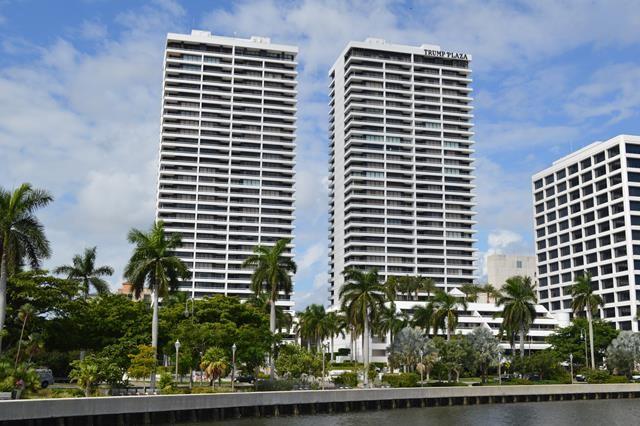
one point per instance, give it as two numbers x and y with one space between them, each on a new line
20 341
3 292
272 327
365 350
332 351
590 321
521 342
154 336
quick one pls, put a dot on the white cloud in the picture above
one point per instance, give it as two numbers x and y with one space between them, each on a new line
93 30
85 126
503 238
315 253
612 92
316 293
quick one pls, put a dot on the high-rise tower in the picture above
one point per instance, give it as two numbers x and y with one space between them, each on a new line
401 163
227 154
587 220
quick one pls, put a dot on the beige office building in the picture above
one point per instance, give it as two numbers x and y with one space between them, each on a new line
502 266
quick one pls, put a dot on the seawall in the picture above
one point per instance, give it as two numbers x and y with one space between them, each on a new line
169 409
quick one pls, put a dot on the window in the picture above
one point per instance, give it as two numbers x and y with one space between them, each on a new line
632 148
519 264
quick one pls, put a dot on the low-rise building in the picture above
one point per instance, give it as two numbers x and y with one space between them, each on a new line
476 314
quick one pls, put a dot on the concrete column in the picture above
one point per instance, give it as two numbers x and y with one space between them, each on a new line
296 412
276 411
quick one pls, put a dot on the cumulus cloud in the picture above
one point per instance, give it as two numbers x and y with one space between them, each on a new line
79 114
502 239
315 253
93 30
85 126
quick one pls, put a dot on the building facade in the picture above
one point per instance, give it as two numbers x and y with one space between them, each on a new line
401 163
476 315
587 218
227 154
500 267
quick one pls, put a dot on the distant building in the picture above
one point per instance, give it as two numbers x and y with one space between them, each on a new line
503 266
127 290
476 315
587 218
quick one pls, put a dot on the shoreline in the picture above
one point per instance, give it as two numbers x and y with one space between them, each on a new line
169 409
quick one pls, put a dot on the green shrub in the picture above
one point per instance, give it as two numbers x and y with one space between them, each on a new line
274 385
209 389
346 379
521 382
596 376
401 380
60 393
343 352
617 379
166 381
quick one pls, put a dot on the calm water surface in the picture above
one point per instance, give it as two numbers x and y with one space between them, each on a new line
581 413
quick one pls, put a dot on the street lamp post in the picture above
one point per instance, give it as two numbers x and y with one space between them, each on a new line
422 369
233 371
201 372
177 345
323 347
571 365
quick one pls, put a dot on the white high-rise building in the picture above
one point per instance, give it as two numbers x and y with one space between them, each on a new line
401 163
227 153
587 218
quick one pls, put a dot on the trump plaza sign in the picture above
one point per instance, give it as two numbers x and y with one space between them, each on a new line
447 55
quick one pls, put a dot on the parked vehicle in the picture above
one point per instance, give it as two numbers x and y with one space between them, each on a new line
580 378
46 377
245 378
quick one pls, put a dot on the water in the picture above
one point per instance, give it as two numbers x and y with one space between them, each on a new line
566 413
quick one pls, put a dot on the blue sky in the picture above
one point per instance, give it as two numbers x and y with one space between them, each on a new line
80 102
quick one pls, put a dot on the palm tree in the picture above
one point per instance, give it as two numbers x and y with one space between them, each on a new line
391 288
272 273
490 291
153 263
260 301
519 300
585 298
423 317
446 311
409 285
470 291
214 364
312 324
428 285
24 313
85 272
388 321
361 297
21 235
335 324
